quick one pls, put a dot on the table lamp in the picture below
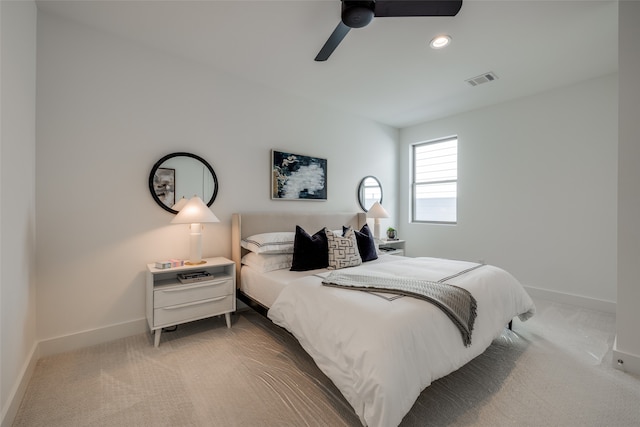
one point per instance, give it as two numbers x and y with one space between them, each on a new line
180 204
376 211
195 213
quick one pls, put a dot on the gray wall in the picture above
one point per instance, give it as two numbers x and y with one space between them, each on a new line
108 109
537 190
18 344
628 315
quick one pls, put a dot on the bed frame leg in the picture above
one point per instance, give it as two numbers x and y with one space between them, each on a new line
510 326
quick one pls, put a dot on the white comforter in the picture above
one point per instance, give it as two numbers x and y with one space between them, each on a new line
382 353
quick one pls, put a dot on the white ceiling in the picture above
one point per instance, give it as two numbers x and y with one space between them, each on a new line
385 71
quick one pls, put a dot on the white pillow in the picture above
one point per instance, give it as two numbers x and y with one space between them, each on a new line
266 263
270 243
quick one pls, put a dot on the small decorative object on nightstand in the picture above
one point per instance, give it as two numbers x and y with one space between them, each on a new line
391 233
392 247
208 290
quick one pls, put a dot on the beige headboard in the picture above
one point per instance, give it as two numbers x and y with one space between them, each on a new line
250 223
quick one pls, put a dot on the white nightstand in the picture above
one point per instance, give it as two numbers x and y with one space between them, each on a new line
170 302
392 247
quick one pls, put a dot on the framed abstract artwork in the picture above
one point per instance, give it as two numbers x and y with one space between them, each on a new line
298 177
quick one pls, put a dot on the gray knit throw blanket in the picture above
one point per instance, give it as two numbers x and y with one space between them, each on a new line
457 303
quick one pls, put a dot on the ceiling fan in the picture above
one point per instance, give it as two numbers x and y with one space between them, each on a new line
357 14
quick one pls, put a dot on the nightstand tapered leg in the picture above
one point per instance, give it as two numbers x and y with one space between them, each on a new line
157 337
227 317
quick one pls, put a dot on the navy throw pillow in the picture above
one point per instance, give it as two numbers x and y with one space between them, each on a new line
366 243
309 252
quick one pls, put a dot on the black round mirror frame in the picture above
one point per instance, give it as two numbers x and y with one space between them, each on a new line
361 187
171 156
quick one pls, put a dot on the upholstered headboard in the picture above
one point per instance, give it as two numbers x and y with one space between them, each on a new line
250 223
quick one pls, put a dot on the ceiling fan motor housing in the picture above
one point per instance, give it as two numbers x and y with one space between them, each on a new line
357 14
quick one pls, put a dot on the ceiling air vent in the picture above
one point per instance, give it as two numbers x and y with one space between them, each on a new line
482 78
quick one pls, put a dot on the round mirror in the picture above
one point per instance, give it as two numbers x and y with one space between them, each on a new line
179 175
369 192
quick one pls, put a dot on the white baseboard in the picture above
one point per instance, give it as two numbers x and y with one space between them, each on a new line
91 337
580 301
10 411
625 361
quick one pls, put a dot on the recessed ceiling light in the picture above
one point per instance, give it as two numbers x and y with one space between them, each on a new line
438 42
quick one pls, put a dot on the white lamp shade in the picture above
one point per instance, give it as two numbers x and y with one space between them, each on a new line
377 211
178 206
194 211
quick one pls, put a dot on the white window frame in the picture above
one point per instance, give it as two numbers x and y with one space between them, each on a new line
448 180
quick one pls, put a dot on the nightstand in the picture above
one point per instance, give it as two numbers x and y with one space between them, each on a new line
392 247
171 302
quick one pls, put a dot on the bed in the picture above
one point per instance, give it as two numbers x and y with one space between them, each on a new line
379 348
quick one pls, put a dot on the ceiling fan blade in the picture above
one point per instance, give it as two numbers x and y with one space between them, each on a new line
332 43
390 8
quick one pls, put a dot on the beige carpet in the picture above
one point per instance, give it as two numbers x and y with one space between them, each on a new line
554 370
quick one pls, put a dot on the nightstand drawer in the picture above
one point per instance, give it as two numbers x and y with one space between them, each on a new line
193 292
180 313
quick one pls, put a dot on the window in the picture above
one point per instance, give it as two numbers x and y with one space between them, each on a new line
435 181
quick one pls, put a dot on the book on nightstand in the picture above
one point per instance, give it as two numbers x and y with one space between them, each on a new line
194 276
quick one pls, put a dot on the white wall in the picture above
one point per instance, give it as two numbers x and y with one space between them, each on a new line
537 189
108 109
628 316
17 191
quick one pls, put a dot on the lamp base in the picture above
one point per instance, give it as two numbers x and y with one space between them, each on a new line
195 263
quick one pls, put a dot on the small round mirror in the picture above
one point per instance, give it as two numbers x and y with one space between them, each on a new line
179 175
369 192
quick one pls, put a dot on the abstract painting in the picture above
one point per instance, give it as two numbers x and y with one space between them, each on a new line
298 177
